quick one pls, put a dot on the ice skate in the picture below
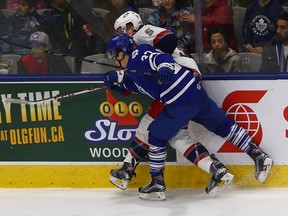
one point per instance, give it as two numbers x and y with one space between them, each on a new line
263 164
154 190
220 179
121 177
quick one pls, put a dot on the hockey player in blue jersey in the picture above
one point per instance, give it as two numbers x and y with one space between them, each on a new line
182 142
184 98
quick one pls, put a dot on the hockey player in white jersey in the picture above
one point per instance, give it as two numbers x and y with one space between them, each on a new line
163 39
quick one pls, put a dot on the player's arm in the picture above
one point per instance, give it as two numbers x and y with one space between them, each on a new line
166 41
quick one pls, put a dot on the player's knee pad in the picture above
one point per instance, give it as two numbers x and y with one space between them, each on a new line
196 152
139 149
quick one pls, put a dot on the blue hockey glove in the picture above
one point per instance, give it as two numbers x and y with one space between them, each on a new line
114 79
110 79
166 73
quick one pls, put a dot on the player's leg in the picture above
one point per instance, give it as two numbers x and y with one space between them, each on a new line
163 128
155 190
216 121
263 163
137 152
195 152
138 149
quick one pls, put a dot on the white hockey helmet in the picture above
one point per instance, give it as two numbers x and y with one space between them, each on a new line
128 17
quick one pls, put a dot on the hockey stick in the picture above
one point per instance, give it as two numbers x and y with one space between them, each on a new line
62 55
79 59
57 97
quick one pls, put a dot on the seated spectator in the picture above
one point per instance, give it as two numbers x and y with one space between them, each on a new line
21 25
169 15
284 2
216 13
243 3
5 66
14 4
38 62
155 4
258 24
116 8
275 54
74 30
3 25
221 59
146 3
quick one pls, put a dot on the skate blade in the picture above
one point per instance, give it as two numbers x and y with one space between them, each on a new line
226 181
120 183
268 163
155 196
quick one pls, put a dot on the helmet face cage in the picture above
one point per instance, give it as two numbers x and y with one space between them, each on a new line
128 17
118 43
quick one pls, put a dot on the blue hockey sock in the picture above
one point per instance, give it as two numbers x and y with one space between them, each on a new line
240 138
157 159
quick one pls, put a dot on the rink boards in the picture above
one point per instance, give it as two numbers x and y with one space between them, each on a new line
76 141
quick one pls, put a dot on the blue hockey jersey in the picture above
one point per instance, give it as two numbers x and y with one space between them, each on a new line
146 60
184 98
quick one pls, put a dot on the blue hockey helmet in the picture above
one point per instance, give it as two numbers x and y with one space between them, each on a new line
120 42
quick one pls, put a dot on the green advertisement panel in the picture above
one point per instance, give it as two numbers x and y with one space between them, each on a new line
96 126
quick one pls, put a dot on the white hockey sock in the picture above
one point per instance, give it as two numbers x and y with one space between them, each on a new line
205 164
128 158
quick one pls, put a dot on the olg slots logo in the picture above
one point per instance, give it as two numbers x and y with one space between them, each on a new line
236 105
117 114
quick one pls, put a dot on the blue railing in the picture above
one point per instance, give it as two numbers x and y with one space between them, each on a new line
98 77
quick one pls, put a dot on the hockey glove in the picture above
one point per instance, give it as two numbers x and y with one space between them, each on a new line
166 73
114 79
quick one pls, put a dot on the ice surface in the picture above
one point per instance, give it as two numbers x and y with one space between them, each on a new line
114 202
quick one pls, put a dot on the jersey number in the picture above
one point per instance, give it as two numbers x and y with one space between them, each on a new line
149 31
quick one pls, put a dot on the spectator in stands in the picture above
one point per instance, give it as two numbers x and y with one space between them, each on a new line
21 25
2 4
116 8
258 24
5 47
3 25
169 15
216 13
275 54
38 62
14 4
283 2
244 3
74 29
5 66
221 59
146 3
